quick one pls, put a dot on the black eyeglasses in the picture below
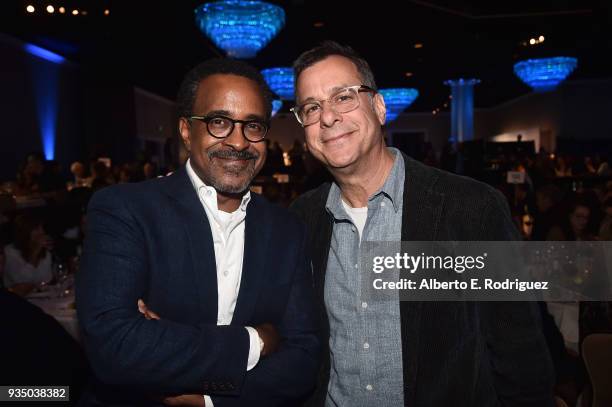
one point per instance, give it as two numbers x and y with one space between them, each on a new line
221 126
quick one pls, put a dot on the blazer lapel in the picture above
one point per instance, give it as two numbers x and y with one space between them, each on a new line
194 219
256 243
420 221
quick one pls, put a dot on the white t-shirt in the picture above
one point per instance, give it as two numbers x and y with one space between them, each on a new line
357 215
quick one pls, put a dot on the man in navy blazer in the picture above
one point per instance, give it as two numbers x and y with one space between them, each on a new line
226 270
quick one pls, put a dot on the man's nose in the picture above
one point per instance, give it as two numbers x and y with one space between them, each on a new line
329 116
236 139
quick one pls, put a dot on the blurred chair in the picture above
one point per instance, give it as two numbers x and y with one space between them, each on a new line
597 354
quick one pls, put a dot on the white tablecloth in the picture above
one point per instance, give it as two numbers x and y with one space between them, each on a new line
61 308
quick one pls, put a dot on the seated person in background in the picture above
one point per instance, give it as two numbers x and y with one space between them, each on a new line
547 206
100 176
605 230
77 169
28 258
149 170
576 224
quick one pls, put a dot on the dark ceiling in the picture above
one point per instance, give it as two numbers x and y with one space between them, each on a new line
151 44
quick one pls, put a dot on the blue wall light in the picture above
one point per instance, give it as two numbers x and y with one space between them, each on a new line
241 28
545 73
45 80
44 53
280 80
397 99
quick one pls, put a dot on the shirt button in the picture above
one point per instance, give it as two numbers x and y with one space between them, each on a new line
225 273
353 229
364 305
369 387
382 204
366 346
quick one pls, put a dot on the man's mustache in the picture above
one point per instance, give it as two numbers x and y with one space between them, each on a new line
237 155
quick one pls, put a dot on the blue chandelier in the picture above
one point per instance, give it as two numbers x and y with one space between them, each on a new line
240 27
545 73
280 80
276 106
397 99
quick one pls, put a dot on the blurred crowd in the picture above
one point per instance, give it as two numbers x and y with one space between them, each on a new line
557 197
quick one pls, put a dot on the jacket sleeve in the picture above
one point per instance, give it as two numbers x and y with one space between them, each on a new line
519 357
123 347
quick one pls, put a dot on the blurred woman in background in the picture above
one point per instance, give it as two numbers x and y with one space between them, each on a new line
28 258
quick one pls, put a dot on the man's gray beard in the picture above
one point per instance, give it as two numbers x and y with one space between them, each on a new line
228 188
219 186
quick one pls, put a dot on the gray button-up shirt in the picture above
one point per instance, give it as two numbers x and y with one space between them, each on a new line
365 338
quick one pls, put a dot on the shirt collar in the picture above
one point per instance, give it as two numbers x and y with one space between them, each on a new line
209 194
393 188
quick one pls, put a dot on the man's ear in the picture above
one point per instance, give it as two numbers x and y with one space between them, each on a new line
379 108
185 132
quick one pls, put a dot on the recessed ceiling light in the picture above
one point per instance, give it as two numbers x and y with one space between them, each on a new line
50 9
30 8
541 39
409 74
75 12
532 41
106 12
318 24
62 10
418 45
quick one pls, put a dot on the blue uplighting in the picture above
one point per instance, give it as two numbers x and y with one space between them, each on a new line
280 80
397 99
545 73
44 53
239 27
45 84
276 106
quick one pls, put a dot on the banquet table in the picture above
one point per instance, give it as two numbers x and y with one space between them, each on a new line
58 301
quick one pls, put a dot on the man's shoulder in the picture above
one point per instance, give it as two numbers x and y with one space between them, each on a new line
455 188
310 201
133 193
467 187
276 216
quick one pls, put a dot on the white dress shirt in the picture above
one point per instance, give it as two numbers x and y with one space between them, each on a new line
228 238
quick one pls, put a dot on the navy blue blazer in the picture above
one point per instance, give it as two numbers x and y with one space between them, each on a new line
152 240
